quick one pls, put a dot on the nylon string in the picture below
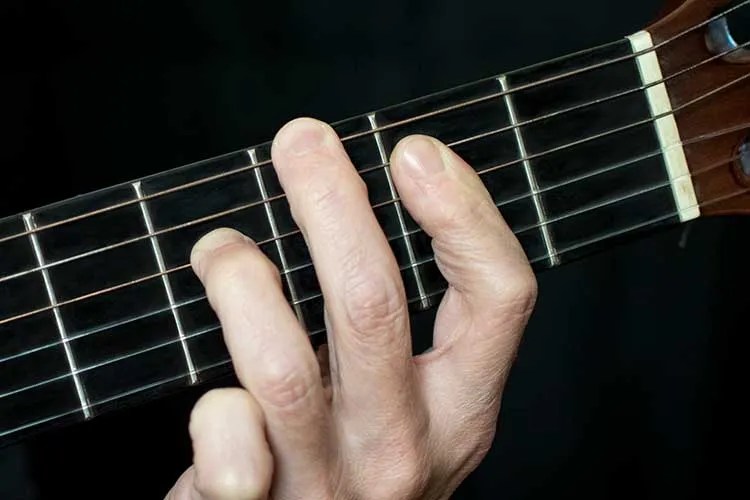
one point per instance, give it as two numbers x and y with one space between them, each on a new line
396 124
290 271
205 331
417 264
395 200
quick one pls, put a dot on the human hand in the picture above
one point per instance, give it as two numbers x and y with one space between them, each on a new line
390 426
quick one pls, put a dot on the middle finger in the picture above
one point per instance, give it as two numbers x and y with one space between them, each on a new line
358 275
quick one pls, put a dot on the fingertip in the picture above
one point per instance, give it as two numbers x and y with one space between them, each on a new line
302 136
446 196
420 157
224 402
436 186
213 241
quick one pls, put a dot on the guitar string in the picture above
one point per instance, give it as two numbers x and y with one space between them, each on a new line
317 296
363 171
116 397
199 370
402 235
143 279
396 124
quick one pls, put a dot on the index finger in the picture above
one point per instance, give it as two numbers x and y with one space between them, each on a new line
492 287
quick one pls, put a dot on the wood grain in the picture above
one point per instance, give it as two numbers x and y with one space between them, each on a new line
721 185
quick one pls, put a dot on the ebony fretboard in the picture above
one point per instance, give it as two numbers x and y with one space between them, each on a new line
84 352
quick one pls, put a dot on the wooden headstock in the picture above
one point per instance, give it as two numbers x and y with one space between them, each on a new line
722 186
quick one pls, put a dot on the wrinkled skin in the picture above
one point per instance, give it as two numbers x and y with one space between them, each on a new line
372 421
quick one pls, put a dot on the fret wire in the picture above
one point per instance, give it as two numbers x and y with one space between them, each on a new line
425 303
248 206
103 328
614 201
166 282
275 233
116 359
530 177
608 235
412 265
240 208
377 167
578 107
110 399
465 104
186 266
563 251
570 214
28 220
136 239
555 78
624 128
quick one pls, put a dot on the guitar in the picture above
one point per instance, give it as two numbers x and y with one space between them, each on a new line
100 309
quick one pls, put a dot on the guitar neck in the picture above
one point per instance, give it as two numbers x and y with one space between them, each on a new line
98 306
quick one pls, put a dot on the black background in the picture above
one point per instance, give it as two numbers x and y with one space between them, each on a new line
630 377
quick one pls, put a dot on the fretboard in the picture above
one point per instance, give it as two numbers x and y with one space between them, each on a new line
98 307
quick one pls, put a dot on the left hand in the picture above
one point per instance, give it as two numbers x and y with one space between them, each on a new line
392 426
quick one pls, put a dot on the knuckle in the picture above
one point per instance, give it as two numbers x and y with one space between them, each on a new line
285 387
328 194
477 439
506 289
468 446
405 475
483 442
397 466
324 196
519 294
411 471
375 308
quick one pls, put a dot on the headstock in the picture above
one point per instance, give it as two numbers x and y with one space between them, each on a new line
715 130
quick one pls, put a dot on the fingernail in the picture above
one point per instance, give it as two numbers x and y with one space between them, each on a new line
213 241
422 158
301 136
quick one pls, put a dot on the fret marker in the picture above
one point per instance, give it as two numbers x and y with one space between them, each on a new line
277 237
552 255
424 300
666 127
166 282
28 220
